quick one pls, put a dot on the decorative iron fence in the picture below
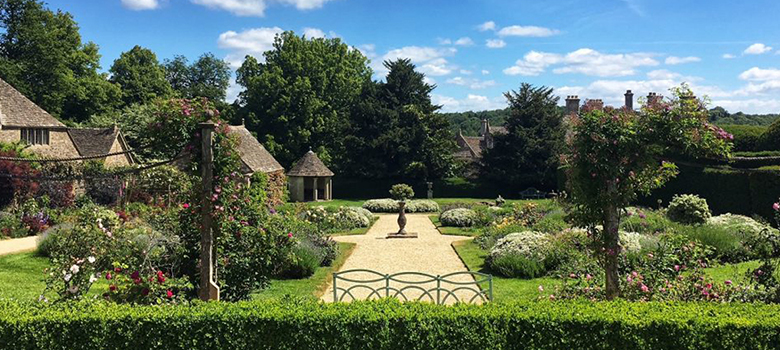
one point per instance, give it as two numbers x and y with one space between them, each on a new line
361 284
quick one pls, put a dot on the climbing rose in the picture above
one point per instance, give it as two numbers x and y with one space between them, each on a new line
169 293
776 206
185 205
108 276
289 235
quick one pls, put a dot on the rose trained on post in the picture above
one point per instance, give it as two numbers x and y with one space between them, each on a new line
615 154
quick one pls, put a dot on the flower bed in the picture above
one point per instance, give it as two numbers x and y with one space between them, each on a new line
294 324
388 205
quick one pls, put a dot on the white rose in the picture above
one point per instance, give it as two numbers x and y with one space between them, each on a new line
91 259
75 269
67 277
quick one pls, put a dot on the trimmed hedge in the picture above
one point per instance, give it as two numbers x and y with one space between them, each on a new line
726 190
295 324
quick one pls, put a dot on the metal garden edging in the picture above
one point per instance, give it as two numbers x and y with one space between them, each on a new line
438 294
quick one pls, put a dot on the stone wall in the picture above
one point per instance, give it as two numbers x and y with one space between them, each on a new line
60 145
277 187
119 160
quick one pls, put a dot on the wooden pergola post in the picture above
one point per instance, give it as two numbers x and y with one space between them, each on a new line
208 287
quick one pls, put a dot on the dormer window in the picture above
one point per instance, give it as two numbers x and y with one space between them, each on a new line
35 136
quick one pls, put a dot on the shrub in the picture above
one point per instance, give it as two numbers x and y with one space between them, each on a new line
514 265
362 212
391 206
728 244
401 192
646 221
304 261
297 324
746 137
529 245
688 209
740 223
630 242
551 223
460 217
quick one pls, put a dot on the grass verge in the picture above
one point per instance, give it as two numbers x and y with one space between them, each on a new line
313 286
452 231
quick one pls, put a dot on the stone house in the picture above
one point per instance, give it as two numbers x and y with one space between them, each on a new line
470 147
255 158
21 120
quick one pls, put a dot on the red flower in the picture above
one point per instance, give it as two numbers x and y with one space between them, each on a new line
135 275
145 291
169 293
137 281
185 205
112 288
117 269
108 276
289 235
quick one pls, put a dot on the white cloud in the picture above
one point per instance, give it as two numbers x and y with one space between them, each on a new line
495 43
429 60
757 49
672 60
758 106
255 8
489 25
485 72
465 71
139 5
474 84
313 33
728 56
470 103
584 61
249 42
758 74
532 31
464 41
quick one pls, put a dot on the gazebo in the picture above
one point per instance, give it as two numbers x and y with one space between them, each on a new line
310 180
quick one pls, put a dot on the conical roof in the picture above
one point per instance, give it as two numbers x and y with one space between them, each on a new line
310 165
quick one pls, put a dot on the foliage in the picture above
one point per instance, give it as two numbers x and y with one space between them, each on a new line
688 209
387 205
296 324
16 187
207 77
470 123
44 58
747 137
140 76
527 154
720 116
165 182
551 223
519 254
148 288
635 144
401 192
458 217
304 261
314 79
771 137
134 121
395 131
332 219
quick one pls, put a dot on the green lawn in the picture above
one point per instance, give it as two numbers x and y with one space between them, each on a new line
313 286
358 230
511 289
505 290
452 231
21 276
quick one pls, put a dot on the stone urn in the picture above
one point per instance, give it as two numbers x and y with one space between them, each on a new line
401 218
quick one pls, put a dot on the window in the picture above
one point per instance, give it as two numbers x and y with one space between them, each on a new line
35 136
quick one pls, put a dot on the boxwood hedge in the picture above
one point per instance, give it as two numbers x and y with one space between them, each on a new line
296 324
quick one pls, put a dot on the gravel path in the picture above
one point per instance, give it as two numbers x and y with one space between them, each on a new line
430 253
18 245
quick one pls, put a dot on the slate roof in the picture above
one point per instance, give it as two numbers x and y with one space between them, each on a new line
254 156
18 111
310 166
93 141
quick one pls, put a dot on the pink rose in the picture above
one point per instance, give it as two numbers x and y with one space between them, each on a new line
289 235
169 293
185 205
776 206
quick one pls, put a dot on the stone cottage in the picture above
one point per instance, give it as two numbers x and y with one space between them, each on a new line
470 147
21 120
255 158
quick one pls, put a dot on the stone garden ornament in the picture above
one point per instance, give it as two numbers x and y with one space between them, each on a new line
402 193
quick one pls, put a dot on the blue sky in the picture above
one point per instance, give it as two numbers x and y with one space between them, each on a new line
474 50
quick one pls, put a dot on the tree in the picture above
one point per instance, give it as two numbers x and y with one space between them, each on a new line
612 155
301 95
527 155
395 130
207 77
42 56
140 76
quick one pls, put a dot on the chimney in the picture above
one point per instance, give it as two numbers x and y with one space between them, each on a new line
572 104
653 98
485 128
629 100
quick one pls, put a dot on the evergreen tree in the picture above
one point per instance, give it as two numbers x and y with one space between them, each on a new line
527 155
42 56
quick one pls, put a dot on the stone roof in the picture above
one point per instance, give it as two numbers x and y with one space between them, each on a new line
93 141
254 156
497 130
475 145
310 166
18 111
